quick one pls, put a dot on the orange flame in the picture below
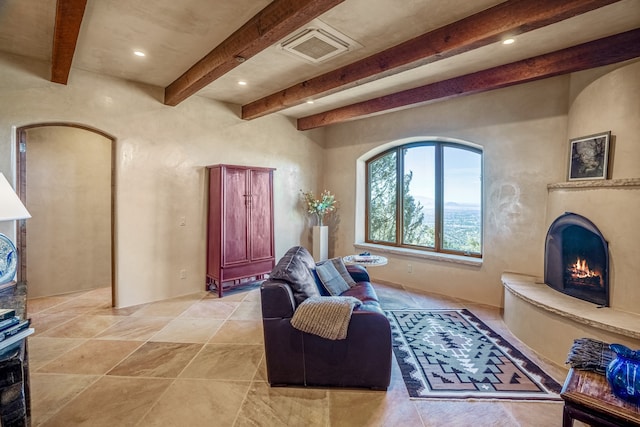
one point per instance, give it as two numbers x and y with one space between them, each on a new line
581 270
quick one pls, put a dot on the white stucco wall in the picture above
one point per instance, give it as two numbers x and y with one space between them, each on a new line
523 134
608 99
160 155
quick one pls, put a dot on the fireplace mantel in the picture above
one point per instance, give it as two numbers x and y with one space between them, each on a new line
595 184
548 321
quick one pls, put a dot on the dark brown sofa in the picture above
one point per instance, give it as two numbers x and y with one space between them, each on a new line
293 357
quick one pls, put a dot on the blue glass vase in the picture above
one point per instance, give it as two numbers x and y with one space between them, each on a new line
623 373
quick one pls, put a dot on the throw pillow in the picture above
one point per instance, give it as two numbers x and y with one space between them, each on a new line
294 268
323 291
331 278
342 269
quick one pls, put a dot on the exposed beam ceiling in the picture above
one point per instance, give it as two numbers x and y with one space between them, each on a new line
277 20
504 20
69 15
427 51
608 50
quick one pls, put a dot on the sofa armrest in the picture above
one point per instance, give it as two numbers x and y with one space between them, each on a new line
359 273
277 299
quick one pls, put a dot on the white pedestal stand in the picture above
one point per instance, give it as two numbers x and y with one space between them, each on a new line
320 242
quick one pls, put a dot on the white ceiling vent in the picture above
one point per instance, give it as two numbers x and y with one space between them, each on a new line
318 43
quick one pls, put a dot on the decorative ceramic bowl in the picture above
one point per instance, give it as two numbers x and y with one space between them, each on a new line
623 373
8 260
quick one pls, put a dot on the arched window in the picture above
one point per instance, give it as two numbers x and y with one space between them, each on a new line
426 195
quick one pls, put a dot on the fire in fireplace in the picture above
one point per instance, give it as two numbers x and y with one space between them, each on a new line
579 274
577 259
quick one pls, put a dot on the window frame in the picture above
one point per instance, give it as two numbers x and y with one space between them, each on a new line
439 146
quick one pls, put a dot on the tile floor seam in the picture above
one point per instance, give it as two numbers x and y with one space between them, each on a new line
221 379
124 358
158 331
62 324
151 407
246 395
134 317
54 413
62 354
512 417
191 361
148 340
415 408
52 296
215 331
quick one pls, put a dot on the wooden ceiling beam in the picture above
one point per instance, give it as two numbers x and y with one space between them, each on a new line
504 20
277 20
605 51
69 15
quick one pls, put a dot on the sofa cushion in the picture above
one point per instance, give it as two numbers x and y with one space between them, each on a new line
363 291
295 269
331 279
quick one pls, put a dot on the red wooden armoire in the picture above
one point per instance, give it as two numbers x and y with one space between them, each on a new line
240 225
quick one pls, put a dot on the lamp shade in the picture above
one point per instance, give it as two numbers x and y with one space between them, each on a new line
11 208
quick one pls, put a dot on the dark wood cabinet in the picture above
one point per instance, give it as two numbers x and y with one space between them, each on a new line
240 225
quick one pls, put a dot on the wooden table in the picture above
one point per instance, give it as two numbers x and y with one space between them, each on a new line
588 397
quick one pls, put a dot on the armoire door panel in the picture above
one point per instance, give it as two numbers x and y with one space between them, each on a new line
235 230
260 215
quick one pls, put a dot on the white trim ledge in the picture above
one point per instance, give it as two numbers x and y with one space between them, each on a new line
535 292
434 256
594 184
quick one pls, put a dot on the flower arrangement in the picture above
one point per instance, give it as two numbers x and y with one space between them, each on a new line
319 207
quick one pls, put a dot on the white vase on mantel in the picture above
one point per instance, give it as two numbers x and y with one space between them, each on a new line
320 242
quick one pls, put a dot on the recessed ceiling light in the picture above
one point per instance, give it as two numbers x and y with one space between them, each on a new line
508 41
310 101
242 83
139 53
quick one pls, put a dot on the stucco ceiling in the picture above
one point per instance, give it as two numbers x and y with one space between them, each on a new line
177 34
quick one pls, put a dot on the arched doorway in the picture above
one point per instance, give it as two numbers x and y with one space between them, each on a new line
65 176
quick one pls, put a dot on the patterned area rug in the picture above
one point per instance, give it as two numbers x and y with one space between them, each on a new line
452 354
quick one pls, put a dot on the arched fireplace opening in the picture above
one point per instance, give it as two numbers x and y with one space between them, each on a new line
576 260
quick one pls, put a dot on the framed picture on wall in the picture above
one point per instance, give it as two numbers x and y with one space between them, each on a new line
589 157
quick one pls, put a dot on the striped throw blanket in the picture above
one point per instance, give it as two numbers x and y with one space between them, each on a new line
327 317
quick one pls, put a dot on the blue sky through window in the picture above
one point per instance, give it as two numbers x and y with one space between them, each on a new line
462 170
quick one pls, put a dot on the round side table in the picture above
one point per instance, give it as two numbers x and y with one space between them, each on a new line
365 260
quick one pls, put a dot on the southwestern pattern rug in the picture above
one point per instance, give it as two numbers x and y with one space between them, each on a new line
453 354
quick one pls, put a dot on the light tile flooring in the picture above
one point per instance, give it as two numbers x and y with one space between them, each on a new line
198 361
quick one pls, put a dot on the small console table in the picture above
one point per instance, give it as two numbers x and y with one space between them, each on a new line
587 397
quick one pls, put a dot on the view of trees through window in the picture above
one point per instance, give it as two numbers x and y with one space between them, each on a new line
437 187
